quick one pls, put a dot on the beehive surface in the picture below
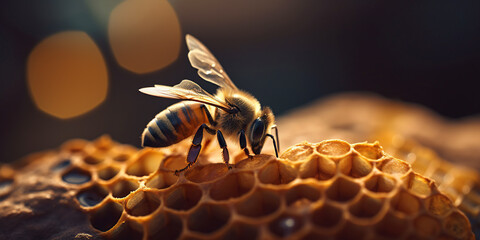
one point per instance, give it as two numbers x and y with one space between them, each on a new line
327 190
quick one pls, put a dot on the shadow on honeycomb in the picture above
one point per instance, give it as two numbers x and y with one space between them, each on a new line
331 189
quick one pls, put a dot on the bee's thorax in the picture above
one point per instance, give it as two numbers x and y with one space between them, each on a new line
248 109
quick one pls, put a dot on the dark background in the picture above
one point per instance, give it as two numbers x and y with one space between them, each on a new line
286 53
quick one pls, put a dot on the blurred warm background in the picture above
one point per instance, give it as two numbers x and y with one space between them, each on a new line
72 68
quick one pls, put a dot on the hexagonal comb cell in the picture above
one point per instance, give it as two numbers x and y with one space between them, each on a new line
123 187
318 167
342 190
419 185
456 225
427 227
333 148
64 163
360 167
392 226
126 231
183 197
122 157
103 143
327 216
239 230
366 207
76 176
286 225
75 146
380 184
106 216
147 163
394 167
206 173
107 173
405 203
369 151
142 203
208 218
438 205
302 195
276 172
352 231
232 186
92 196
255 162
93 159
165 225
161 180
298 152
261 202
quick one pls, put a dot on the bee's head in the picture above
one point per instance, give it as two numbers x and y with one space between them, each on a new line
257 131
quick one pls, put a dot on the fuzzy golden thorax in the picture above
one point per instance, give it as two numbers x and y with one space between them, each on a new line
250 116
248 110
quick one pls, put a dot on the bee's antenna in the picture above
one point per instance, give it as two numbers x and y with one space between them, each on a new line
274 144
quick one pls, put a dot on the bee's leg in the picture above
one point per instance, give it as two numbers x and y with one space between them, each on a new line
274 144
220 138
276 135
196 146
211 122
209 116
183 169
223 145
243 143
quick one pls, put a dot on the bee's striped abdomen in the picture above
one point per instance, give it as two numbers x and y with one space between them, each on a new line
173 124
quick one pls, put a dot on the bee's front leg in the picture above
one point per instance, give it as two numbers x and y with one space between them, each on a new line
223 145
243 143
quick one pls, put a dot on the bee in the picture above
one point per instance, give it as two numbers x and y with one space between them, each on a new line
230 112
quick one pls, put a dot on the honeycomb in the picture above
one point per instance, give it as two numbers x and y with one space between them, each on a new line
327 190
459 183
406 131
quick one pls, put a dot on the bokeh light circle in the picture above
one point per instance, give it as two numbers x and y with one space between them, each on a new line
67 75
144 35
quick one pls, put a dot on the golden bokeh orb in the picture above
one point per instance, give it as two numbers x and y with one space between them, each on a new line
144 35
67 75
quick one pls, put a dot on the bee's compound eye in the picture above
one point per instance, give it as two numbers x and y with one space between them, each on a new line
258 130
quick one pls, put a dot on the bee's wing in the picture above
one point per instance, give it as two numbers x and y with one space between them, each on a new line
186 90
208 66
